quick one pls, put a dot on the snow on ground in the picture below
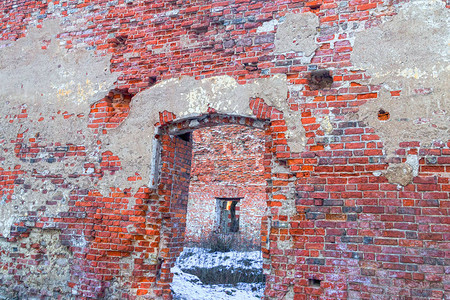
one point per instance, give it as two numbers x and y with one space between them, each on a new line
189 287
200 257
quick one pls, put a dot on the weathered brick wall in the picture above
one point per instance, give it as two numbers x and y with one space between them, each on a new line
227 162
356 159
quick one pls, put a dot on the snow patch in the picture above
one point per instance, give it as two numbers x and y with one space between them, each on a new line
189 287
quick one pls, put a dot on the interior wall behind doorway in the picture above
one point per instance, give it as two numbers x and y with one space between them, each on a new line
227 163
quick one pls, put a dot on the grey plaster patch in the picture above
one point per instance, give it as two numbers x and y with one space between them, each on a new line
401 174
409 53
297 33
189 97
7 217
280 169
52 79
48 81
286 245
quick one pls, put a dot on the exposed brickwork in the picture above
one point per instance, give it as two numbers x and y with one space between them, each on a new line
227 162
111 111
332 215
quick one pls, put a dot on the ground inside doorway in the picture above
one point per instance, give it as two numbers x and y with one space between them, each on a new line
242 269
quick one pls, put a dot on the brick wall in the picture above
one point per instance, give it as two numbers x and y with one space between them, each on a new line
340 224
227 163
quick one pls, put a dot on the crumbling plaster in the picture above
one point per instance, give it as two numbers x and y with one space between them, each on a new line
58 86
43 265
401 174
52 79
297 33
39 75
410 53
187 97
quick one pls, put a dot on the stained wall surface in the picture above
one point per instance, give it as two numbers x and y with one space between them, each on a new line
227 162
352 97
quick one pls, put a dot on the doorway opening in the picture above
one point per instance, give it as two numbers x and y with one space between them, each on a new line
226 201
202 161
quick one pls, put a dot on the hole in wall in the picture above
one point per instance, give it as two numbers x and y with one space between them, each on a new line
314 282
185 136
251 67
320 79
152 80
315 7
200 28
119 42
283 162
383 115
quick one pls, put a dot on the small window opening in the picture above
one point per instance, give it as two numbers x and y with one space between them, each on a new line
228 213
314 282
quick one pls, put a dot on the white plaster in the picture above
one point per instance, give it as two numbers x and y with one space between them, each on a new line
267 26
413 161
